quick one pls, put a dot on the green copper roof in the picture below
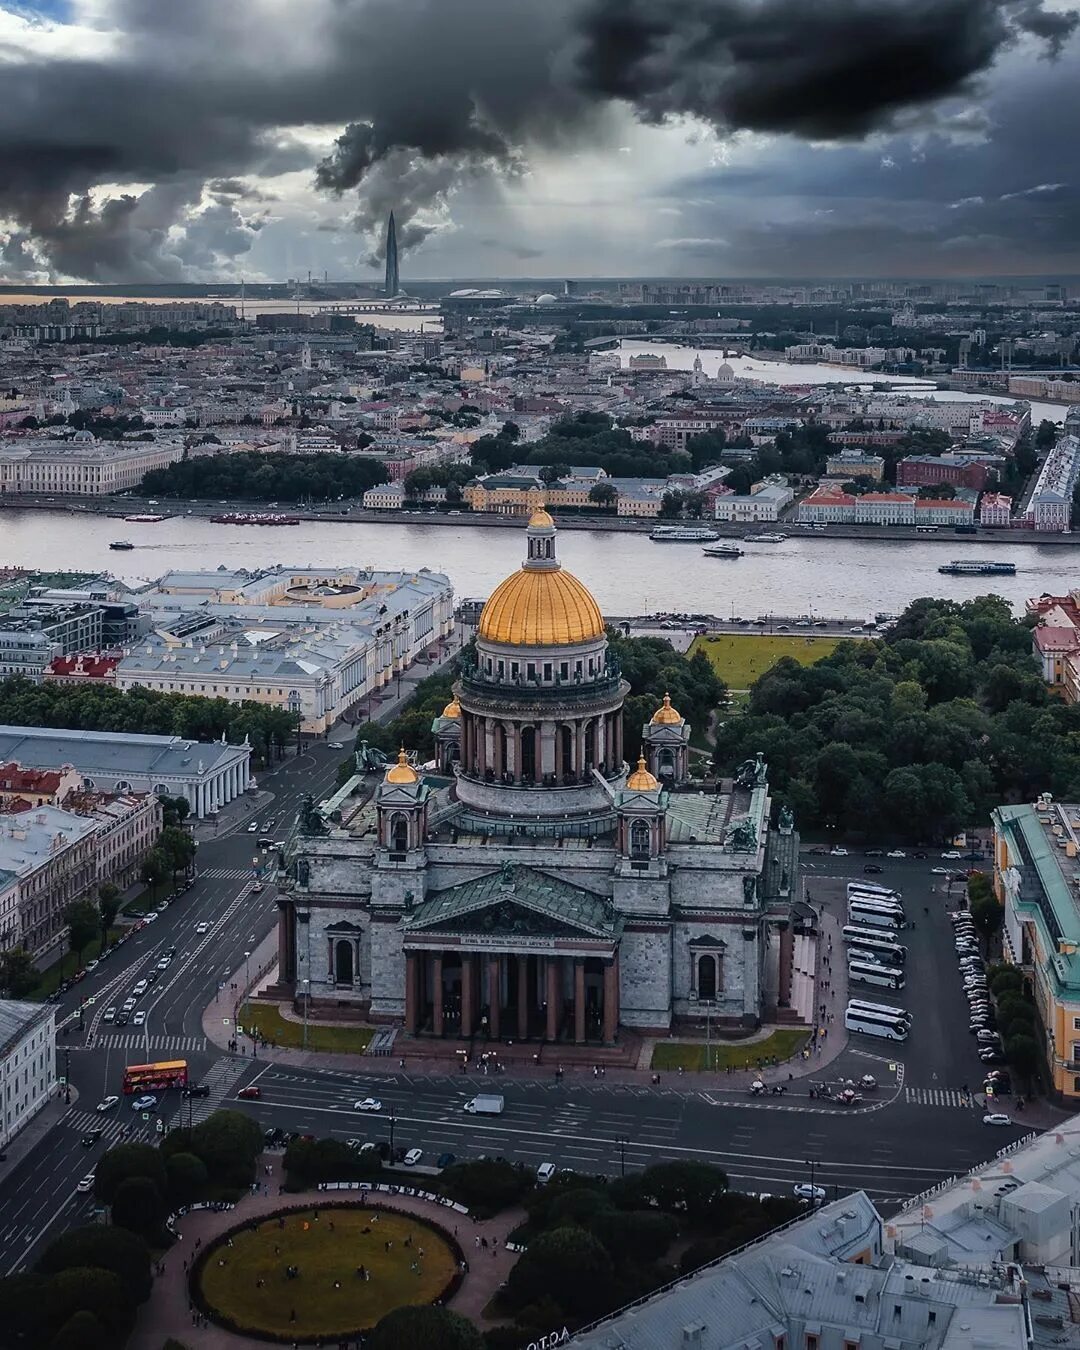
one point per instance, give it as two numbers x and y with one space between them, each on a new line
523 888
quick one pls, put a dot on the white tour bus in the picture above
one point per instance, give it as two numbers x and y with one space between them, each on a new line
871 940
866 916
874 1024
883 1009
877 902
864 972
868 888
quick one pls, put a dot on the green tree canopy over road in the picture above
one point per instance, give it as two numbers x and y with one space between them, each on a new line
924 730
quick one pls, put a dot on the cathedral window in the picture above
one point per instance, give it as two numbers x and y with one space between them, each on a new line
399 833
706 977
640 839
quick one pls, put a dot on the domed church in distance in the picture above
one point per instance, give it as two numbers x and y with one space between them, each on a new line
535 886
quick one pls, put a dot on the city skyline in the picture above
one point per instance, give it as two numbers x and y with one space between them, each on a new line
867 138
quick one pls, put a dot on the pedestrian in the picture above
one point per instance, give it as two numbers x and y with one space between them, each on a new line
476 1240
484 1243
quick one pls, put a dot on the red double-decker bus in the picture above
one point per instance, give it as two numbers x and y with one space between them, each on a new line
155 1077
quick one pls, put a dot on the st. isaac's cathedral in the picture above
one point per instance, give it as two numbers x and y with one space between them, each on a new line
533 885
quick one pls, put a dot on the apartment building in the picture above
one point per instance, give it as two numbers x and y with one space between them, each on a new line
22 788
764 502
850 464
27 1063
1049 508
828 504
53 855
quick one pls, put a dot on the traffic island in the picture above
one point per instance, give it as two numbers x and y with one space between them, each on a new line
323 1274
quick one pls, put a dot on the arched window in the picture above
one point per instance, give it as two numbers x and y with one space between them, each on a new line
666 763
706 977
122 785
399 833
343 963
640 839
161 790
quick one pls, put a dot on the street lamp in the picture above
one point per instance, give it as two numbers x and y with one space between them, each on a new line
392 1118
622 1143
307 998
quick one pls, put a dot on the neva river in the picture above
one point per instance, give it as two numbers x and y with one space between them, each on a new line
807 574
626 572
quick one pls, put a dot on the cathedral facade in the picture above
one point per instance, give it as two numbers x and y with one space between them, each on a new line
533 885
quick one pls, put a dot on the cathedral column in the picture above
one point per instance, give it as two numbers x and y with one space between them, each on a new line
611 999
494 996
579 748
546 763
466 995
489 746
511 731
787 965
552 997
283 941
523 997
410 994
437 976
579 1000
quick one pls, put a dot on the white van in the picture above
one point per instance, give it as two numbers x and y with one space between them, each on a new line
545 1172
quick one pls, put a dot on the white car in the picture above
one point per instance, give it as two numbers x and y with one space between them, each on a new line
201 928
545 1172
87 1184
804 1191
952 853
838 852
107 1104
147 1103
997 1118
139 1019
368 1104
357 1144
896 853
129 1005
164 963
109 1015
141 988
253 828
413 1157
150 918
939 871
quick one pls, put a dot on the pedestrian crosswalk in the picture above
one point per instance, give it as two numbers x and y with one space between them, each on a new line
221 1078
134 1040
936 1097
119 1123
227 873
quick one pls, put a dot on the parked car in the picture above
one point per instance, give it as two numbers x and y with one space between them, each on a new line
873 870
818 851
545 1172
413 1157
804 1191
953 853
873 853
838 852
996 1118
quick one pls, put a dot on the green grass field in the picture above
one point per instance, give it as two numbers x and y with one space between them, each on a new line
326 1250
740 658
690 1055
271 1026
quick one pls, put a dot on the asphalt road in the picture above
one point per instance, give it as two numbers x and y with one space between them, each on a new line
765 1145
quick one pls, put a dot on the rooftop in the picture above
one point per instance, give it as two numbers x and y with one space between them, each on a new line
31 838
16 1019
112 752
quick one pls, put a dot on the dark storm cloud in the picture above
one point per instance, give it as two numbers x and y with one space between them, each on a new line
834 69
434 94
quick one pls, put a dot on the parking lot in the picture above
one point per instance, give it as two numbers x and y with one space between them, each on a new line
940 1053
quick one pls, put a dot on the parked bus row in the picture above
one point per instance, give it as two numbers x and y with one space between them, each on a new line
877 959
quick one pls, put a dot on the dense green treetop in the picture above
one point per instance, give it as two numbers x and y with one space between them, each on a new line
252 477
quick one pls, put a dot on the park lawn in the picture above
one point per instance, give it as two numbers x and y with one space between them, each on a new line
781 1045
67 966
741 658
325 1255
271 1026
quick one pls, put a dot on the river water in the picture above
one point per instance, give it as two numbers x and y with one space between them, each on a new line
627 573
807 574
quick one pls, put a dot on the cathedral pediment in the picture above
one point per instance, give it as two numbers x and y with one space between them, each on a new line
516 902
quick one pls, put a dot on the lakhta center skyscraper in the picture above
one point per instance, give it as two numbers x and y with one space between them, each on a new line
392 280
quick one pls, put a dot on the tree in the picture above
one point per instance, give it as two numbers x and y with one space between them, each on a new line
124 1161
18 974
139 1206
1023 1054
433 1328
228 1142
178 847
603 494
90 1289
82 1331
107 1248
567 1264
83 923
942 492
1046 434
689 1188
488 1185
154 869
174 810
186 1177
986 915
109 902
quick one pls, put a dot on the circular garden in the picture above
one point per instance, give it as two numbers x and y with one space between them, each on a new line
324 1273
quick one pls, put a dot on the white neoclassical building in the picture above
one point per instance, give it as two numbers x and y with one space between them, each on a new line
27 1063
536 886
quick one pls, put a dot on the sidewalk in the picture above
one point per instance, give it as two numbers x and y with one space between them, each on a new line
167 1312
46 1120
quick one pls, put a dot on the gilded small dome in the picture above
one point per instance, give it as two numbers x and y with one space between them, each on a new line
453 708
403 771
666 715
641 780
541 520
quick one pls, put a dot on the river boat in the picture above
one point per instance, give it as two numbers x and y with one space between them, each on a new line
723 551
961 568
765 538
145 520
254 518
683 534
121 545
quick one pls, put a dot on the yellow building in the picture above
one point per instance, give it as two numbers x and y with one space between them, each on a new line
1036 877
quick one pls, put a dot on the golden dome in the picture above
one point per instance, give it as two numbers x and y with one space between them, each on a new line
541 609
453 708
641 780
403 771
666 715
540 520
